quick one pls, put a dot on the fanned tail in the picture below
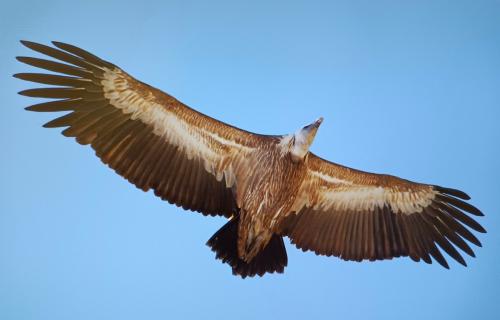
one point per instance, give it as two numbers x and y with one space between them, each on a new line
224 243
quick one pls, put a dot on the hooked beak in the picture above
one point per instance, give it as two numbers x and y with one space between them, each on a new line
314 125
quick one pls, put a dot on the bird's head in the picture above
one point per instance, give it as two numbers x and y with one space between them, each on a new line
302 140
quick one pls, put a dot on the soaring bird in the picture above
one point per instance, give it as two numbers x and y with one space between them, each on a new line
268 186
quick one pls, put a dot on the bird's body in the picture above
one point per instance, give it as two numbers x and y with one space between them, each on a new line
267 196
267 186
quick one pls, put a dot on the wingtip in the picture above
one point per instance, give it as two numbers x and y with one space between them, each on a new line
26 43
25 93
20 75
50 124
443 263
453 192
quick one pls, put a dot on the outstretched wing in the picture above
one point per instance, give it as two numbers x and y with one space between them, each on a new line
357 215
145 135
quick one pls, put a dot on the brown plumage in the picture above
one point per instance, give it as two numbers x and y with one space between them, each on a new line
267 186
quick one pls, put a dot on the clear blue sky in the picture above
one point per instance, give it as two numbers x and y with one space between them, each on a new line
410 88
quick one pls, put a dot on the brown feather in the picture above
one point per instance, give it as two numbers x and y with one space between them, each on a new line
56 67
58 80
83 54
60 55
62 93
447 231
453 192
56 106
460 216
457 227
460 204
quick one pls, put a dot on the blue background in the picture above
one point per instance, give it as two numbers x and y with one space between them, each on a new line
410 88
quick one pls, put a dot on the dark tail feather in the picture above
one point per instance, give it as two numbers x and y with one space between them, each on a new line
272 259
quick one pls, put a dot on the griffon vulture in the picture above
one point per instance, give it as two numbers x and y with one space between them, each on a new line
268 186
